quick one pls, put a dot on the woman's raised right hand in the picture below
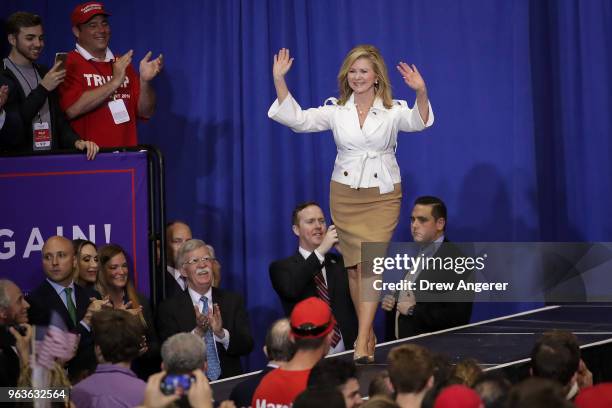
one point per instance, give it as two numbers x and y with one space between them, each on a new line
282 63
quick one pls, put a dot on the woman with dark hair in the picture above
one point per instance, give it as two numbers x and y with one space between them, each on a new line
114 283
86 273
365 188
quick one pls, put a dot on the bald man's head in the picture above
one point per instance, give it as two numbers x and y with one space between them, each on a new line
59 260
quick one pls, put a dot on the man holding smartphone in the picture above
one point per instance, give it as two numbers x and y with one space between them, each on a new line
102 94
31 118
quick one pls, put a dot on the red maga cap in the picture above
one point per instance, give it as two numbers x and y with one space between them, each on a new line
84 12
311 319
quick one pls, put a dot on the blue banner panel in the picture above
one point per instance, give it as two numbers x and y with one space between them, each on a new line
104 200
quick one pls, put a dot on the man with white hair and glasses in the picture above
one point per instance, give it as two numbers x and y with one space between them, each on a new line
216 315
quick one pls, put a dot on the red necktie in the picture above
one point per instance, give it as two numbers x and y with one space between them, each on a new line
324 295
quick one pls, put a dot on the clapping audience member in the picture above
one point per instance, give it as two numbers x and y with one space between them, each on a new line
87 266
74 304
216 315
117 338
115 284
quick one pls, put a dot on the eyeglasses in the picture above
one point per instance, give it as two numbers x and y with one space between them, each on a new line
203 259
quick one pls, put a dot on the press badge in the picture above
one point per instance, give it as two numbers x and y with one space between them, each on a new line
119 111
42 136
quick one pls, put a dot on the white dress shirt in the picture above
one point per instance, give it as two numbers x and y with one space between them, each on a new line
195 299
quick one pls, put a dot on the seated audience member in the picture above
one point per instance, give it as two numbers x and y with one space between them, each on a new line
216 267
537 393
73 303
198 396
556 356
339 374
117 338
87 263
411 370
597 396
380 385
493 389
14 346
279 349
380 401
407 316
312 329
115 284
318 397
458 396
216 315
31 118
313 270
177 233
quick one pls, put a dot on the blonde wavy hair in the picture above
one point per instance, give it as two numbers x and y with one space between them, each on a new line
371 53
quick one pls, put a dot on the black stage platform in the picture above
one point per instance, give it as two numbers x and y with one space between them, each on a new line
503 343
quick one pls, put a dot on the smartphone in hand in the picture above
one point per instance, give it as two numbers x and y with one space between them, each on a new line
61 57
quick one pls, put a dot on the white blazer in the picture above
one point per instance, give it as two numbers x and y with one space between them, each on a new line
366 157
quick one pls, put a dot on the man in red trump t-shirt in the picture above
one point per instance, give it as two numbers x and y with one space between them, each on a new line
102 94
312 330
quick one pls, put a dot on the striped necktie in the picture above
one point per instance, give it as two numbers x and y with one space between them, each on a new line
323 293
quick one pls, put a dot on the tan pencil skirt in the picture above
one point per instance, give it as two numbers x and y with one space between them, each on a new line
363 215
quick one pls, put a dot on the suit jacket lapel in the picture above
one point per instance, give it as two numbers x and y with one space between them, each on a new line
57 304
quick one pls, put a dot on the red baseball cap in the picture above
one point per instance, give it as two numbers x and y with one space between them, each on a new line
311 319
84 12
458 396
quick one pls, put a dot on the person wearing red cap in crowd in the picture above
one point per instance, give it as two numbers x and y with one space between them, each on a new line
458 396
102 95
598 396
312 329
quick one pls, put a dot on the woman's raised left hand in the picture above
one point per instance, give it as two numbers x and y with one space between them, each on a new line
412 76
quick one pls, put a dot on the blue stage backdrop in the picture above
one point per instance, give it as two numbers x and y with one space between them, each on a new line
521 90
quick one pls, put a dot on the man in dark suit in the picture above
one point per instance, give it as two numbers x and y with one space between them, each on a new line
279 349
177 233
13 314
407 316
216 315
72 302
313 269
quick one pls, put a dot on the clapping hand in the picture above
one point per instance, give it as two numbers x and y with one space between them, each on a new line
150 68
412 76
282 63
202 321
